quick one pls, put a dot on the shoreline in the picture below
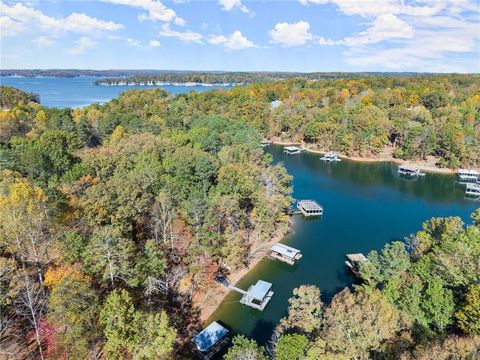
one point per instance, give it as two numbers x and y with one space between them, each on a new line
427 166
209 302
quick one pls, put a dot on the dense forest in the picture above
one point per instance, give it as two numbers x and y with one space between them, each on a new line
114 217
405 118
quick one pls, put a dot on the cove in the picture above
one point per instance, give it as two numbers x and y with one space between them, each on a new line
366 205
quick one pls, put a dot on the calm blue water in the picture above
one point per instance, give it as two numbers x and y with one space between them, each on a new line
80 91
366 205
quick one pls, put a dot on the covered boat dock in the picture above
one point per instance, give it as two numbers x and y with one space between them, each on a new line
309 208
285 253
353 261
210 340
258 295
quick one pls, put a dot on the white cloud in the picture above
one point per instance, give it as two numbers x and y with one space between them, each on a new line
436 38
369 8
155 10
10 27
188 36
235 41
154 43
44 41
18 17
228 5
292 34
384 27
81 45
133 42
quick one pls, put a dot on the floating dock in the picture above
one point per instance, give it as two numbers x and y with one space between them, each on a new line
409 171
291 150
258 295
353 261
473 191
330 156
309 208
468 175
285 253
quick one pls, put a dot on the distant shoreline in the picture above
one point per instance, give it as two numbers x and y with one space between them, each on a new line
427 166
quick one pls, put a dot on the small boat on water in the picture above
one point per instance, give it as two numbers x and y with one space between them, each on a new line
330 156
473 191
409 171
291 150
468 175
265 143
353 261
309 208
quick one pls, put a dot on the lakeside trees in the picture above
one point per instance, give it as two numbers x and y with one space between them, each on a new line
113 217
129 209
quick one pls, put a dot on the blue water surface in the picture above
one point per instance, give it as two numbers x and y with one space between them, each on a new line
80 91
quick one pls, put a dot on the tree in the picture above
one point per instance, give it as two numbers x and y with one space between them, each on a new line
120 322
354 324
29 303
304 311
438 304
245 349
468 316
72 308
383 270
24 222
157 338
291 347
110 255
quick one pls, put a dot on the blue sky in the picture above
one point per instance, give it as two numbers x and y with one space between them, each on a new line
294 35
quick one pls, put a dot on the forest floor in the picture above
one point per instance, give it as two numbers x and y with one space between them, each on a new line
428 165
209 301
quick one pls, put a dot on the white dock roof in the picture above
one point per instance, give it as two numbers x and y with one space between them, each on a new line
292 148
285 250
408 167
209 336
473 187
468 171
259 290
309 205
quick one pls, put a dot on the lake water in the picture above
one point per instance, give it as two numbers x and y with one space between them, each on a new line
80 91
366 205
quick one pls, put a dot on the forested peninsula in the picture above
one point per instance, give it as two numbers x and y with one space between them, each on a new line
114 217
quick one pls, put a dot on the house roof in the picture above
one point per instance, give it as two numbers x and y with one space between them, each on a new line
209 336
259 290
285 250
